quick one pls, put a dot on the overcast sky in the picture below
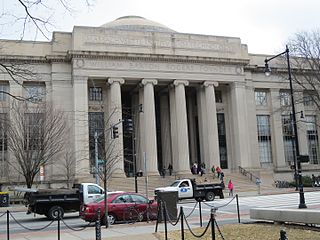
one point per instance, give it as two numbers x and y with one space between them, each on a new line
264 26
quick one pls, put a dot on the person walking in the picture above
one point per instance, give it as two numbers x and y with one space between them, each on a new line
218 170
213 170
170 169
230 187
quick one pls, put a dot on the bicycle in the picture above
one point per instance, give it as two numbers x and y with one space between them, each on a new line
132 214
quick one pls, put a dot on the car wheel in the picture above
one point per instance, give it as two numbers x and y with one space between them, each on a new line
210 196
111 219
140 217
55 213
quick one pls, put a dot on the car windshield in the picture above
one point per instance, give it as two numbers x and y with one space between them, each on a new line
176 183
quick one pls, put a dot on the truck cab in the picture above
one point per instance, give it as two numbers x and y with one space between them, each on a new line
90 192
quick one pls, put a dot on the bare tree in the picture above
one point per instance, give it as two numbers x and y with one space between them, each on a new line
305 49
35 137
34 17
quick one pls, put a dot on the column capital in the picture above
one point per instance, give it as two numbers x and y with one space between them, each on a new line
113 80
210 83
184 82
145 81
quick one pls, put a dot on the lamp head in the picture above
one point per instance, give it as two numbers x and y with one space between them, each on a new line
267 69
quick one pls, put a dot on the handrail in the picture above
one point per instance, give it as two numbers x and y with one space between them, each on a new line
251 176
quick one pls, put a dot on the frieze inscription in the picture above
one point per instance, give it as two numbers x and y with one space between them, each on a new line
160 67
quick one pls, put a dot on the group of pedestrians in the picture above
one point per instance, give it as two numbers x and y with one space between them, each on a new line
198 169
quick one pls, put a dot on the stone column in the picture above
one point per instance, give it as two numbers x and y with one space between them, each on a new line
150 126
173 127
141 139
276 130
212 125
81 127
165 131
115 108
239 126
183 161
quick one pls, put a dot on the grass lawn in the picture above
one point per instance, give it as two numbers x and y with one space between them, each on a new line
252 231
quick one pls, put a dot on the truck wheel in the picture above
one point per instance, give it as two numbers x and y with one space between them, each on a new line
55 213
210 196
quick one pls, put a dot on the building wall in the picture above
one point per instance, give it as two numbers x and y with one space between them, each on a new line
158 66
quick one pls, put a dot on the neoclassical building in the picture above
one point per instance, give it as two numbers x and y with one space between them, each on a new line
191 98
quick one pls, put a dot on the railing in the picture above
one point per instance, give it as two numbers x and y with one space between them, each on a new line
252 177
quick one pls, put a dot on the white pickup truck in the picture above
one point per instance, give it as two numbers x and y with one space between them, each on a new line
53 203
188 188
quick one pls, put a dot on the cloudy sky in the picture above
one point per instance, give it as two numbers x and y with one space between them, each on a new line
264 26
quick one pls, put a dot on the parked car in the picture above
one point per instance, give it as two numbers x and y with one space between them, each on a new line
122 206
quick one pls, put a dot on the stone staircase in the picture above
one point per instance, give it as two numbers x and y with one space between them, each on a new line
241 182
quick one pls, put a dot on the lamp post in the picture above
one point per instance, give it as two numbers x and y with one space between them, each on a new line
297 162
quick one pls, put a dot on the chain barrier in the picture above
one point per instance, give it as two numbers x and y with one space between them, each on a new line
2 214
221 206
168 216
221 235
192 210
195 235
90 224
30 229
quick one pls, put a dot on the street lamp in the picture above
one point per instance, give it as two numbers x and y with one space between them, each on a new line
297 162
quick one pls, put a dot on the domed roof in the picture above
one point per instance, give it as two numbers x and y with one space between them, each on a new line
136 23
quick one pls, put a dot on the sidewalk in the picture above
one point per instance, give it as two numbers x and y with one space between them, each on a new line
137 231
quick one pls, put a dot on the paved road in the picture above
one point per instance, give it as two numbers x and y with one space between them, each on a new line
226 213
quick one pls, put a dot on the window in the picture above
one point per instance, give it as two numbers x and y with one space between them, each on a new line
313 142
218 95
261 98
3 96
222 141
95 94
138 199
34 131
93 189
308 100
264 138
35 93
123 199
288 139
285 99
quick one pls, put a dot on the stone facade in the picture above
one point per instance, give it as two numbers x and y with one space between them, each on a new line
197 94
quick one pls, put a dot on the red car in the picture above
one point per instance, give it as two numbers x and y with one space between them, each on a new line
122 206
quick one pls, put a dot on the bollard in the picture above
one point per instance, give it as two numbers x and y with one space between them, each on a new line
283 235
8 227
200 213
59 226
182 227
212 219
238 209
165 222
98 225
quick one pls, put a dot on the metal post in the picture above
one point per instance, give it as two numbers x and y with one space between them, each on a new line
59 225
8 225
212 219
106 219
98 225
283 235
182 227
302 203
165 222
297 162
238 209
96 157
200 213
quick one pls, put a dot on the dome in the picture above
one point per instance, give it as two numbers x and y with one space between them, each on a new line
136 23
